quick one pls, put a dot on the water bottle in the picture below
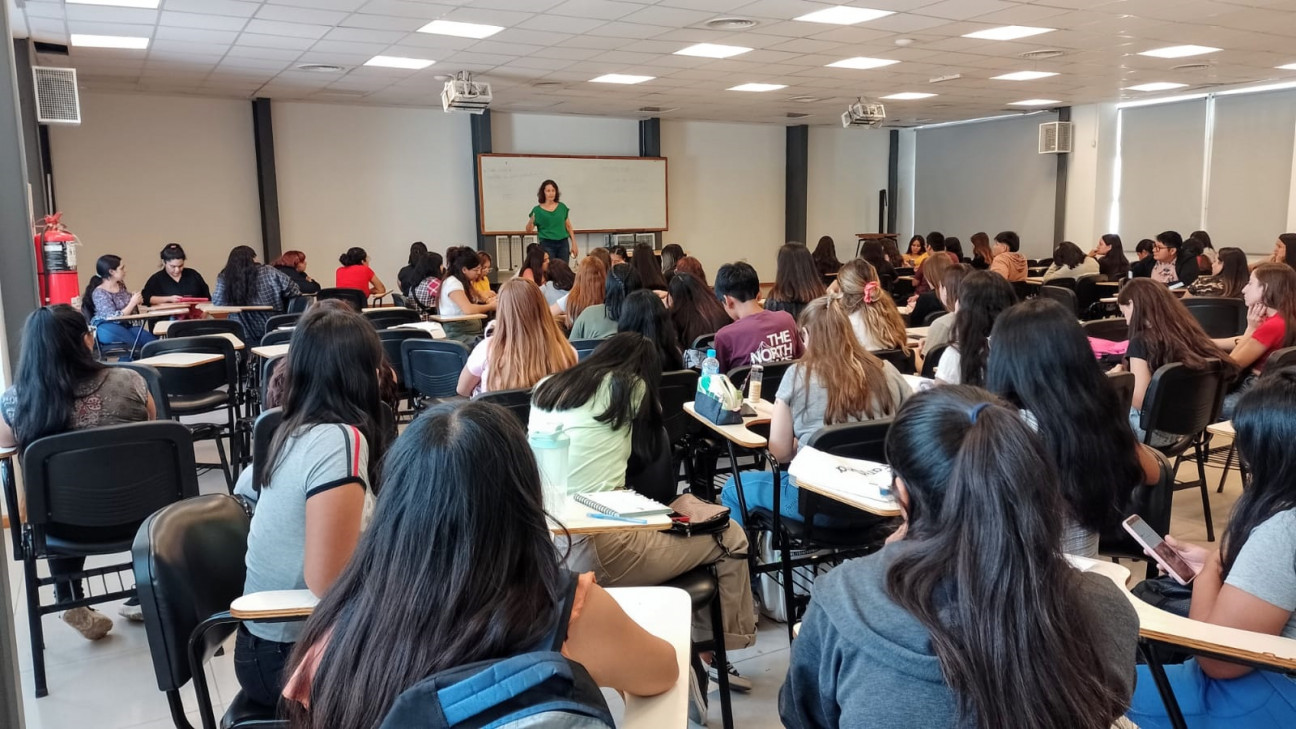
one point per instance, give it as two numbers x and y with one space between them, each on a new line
754 379
710 366
551 448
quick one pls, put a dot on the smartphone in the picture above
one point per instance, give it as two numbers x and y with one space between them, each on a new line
1165 555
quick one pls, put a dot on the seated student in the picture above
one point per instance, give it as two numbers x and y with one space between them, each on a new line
916 253
1161 332
1249 583
796 281
940 332
756 336
671 253
618 255
428 270
607 406
1007 261
293 265
1110 255
599 321
1270 297
106 297
1042 364
458 297
1170 267
1229 275
954 247
406 278
694 310
483 284
873 252
58 386
1142 268
982 297
873 315
355 273
1070 262
693 267
1206 255
835 381
316 488
936 244
560 282
905 636
174 281
535 265
587 288
244 282
644 262
1284 250
825 258
494 587
646 315
603 255
982 255
527 344
925 300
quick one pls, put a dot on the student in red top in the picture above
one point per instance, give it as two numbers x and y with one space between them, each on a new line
356 274
1270 297
757 336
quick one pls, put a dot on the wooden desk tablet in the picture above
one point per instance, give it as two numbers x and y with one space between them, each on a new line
270 350
274 605
1110 284
180 359
845 497
461 317
151 314
576 517
917 332
1035 280
738 434
1225 429
223 312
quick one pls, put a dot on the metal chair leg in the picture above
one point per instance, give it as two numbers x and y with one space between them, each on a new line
1205 491
1228 463
1173 713
35 626
720 658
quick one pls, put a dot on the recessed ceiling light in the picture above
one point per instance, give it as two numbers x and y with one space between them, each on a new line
462 30
712 50
1008 32
731 23
1023 76
1035 102
413 64
1179 51
758 87
319 68
149 4
1288 67
862 62
621 78
909 96
844 15
109 41
1156 86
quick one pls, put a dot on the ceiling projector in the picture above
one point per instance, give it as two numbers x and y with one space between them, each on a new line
463 94
864 114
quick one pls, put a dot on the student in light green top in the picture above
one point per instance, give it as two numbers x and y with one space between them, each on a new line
599 321
549 220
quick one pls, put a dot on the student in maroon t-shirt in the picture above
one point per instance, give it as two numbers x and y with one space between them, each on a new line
757 336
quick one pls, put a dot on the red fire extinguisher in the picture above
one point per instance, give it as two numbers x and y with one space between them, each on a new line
56 261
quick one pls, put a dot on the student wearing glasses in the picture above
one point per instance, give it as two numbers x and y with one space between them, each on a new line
458 297
1170 266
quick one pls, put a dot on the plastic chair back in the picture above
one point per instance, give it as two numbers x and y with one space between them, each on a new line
898 359
1088 292
355 298
431 367
153 379
277 336
1064 296
704 342
1181 401
1150 501
932 317
392 339
1280 358
677 388
1115 329
517 402
281 320
204 327
1125 386
299 304
263 431
865 441
770 381
391 316
585 347
932 359
1219 316
203 378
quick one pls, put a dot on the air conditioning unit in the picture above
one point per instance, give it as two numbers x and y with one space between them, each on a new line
864 114
57 101
463 94
1055 138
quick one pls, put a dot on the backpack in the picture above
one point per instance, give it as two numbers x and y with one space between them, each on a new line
538 688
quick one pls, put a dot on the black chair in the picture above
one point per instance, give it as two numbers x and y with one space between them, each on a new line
902 361
932 359
704 342
1152 502
204 327
1023 290
268 366
1062 283
585 347
278 321
354 297
932 317
1280 358
1181 402
431 368
262 433
703 587
78 508
203 389
392 316
656 480
392 339
189 566
1089 293
1125 386
299 304
1115 329
517 402
153 379
277 336
677 388
770 381
1219 316
1064 296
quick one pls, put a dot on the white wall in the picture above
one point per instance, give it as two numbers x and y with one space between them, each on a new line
143 171
847 167
377 177
1089 177
726 186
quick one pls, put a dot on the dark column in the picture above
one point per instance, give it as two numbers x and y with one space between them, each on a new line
480 125
650 146
893 182
798 172
267 180
37 163
1060 188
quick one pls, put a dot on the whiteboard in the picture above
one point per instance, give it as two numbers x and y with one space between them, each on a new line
605 194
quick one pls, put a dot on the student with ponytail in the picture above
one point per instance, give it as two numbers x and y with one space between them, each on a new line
873 314
106 297
982 296
970 616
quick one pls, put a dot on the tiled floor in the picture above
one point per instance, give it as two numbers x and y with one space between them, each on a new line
110 684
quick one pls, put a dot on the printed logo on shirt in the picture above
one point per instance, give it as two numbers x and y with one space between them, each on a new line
778 346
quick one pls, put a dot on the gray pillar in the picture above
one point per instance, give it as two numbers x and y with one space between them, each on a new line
480 125
37 162
650 146
1060 186
797 192
267 180
893 182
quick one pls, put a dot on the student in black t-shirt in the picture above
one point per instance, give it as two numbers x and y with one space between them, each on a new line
174 281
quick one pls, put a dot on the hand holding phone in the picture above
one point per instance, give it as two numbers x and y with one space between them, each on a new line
1171 559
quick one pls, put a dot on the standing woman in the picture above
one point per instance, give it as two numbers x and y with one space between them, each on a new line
106 297
293 265
982 297
796 281
644 262
459 298
527 344
535 265
174 281
244 282
825 258
405 279
551 220
356 274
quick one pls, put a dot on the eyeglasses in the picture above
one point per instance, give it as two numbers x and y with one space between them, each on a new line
1159 248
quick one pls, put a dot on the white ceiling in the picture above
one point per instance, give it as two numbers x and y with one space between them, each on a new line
246 49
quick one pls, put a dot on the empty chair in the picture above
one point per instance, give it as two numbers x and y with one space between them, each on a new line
517 402
353 297
204 327
584 347
1064 296
1088 294
1115 329
898 359
1220 317
431 368
391 316
392 339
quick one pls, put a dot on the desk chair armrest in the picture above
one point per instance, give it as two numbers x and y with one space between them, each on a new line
274 606
9 482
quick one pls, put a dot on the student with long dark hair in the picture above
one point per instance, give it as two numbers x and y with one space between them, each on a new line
599 321
1229 275
671 254
174 282
1205 249
1070 262
1110 255
560 282
646 315
407 277
941 330
458 297
106 297
916 251
694 310
982 297
1284 250
954 247
1270 297
535 265
644 263
317 486
245 282
428 271
825 257
1041 362
355 273
796 281
970 616
873 252
1142 268
892 252
493 586
58 387
293 265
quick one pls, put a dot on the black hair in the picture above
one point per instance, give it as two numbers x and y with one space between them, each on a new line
533 261
172 252
463 259
645 264
53 362
981 567
1068 254
621 282
1144 246
354 256
670 255
540 196
922 244
1289 244
1233 271
1114 264
1265 421
738 280
935 241
825 256
1010 239
1041 361
377 636
240 275
104 267
1171 239
619 251
955 246
694 311
428 266
645 314
417 251
797 279
561 275
982 297
1203 237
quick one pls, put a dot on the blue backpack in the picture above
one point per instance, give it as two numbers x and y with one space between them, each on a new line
539 688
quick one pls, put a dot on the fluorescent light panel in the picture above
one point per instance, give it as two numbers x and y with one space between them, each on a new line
134 43
148 4
712 50
1008 32
1179 51
844 15
621 78
413 64
758 87
462 30
1023 76
1035 102
908 96
862 63
1157 86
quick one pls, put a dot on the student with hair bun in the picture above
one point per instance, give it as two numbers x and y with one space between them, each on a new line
174 281
355 273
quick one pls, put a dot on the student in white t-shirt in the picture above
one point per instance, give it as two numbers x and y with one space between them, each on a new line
458 297
982 297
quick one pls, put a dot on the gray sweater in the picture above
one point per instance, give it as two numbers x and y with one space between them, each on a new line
861 660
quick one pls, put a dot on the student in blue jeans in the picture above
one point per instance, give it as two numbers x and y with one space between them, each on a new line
106 297
1250 583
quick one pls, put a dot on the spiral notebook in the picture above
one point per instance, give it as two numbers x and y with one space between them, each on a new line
622 503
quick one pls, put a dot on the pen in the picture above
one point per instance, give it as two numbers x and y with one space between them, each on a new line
610 517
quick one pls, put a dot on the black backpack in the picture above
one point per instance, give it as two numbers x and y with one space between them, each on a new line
536 688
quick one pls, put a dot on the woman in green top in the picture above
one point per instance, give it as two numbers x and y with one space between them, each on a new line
550 219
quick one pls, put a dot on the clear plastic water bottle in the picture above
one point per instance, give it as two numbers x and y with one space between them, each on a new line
754 380
710 366
551 449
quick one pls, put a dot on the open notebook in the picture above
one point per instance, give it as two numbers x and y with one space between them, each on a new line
622 502
865 482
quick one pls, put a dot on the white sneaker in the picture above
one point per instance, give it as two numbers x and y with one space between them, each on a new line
737 682
91 624
131 612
